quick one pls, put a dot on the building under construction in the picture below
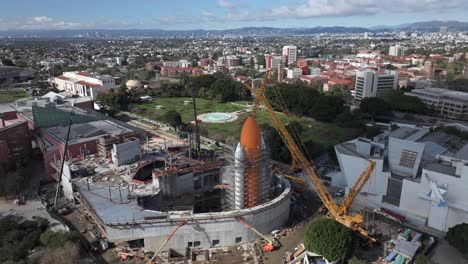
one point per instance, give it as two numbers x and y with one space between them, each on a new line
135 191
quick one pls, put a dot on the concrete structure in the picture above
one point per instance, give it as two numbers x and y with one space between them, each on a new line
127 152
273 62
84 83
373 84
419 174
290 54
293 73
396 51
451 104
145 200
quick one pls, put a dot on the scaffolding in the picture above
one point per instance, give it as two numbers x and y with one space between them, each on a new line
249 176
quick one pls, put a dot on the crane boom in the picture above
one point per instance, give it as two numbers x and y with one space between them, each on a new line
337 212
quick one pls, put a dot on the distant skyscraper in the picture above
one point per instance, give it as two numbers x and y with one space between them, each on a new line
290 54
403 34
396 50
366 35
373 84
443 30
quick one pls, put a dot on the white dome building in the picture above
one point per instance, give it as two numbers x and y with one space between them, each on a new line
133 84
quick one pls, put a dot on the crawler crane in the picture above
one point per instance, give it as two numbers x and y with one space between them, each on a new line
338 212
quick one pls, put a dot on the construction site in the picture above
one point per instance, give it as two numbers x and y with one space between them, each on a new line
161 199
143 192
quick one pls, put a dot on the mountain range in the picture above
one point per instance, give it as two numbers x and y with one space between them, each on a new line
428 26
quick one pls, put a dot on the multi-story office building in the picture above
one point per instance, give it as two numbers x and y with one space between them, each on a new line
273 61
374 84
84 83
290 54
452 104
396 51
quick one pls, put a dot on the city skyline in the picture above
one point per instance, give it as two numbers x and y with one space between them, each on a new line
222 14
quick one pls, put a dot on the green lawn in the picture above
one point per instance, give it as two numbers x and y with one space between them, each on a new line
326 134
12 95
186 111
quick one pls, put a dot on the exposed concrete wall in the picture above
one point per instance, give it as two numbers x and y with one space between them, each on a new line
206 227
184 184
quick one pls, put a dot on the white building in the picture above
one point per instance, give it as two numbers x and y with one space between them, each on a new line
315 71
420 174
84 83
396 51
452 104
290 53
293 73
373 84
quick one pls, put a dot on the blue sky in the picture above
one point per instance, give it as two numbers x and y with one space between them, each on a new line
221 14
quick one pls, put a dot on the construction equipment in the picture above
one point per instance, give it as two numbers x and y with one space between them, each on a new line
269 245
182 223
338 212
293 178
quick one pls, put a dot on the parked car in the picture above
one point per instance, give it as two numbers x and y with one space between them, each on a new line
340 193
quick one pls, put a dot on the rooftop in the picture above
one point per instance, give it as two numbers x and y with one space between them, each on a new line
87 130
440 92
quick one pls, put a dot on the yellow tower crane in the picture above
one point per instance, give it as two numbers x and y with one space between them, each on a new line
338 212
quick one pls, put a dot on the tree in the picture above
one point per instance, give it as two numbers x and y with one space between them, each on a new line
54 239
68 251
172 118
7 62
374 106
390 67
329 238
261 60
355 260
327 108
457 236
400 102
421 259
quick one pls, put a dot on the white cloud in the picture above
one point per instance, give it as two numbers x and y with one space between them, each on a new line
226 4
38 22
320 8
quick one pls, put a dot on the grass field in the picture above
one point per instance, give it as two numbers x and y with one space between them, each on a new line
186 111
12 95
325 134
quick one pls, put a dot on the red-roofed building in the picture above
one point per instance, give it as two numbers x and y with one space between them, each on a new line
313 80
154 65
169 71
335 82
